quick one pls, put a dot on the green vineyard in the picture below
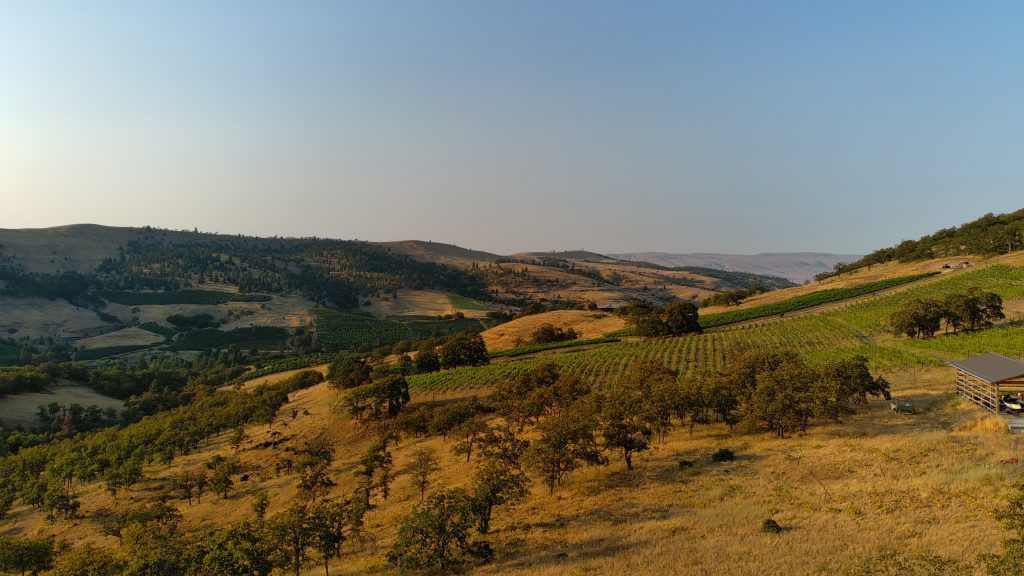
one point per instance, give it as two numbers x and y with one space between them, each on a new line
805 301
859 328
341 330
160 329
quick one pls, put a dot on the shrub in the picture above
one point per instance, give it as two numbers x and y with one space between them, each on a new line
723 455
770 526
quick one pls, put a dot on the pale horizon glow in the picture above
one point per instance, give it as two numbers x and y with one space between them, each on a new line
729 127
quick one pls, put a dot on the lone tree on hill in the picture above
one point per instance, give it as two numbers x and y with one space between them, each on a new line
423 466
464 350
426 359
674 319
437 536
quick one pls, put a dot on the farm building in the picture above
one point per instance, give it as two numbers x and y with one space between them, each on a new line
992 381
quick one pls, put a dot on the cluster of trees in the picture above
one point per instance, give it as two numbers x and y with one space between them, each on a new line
971 310
547 333
674 319
574 425
74 287
311 529
45 475
74 417
36 378
571 425
27 555
990 234
734 297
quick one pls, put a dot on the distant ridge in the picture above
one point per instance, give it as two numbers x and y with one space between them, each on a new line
794 266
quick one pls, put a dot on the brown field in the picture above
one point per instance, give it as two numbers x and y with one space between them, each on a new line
20 409
588 323
39 317
282 311
79 248
419 303
131 336
879 481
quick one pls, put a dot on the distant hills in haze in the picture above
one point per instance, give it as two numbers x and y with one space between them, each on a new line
794 266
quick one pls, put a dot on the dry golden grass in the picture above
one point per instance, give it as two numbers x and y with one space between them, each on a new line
418 303
282 311
131 336
588 323
449 254
278 377
39 317
843 492
80 248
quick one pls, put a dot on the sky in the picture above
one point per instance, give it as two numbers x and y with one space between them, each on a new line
613 126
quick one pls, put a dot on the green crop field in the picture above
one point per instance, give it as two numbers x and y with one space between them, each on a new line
805 301
159 329
180 297
857 329
342 330
107 351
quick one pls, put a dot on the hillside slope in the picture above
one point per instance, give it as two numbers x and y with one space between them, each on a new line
796 266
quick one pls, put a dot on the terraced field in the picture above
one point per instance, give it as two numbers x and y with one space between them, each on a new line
859 328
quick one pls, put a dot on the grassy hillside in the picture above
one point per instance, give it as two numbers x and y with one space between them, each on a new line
586 323
859 328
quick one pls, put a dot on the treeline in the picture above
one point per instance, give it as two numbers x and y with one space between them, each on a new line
37 378
208 297
71 286
989 235
971 310
734 297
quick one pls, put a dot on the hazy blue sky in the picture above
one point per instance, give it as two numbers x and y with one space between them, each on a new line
612 126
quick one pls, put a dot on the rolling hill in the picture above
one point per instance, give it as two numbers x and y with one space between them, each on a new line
795 266
89 286
909 494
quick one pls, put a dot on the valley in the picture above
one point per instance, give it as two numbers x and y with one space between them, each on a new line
284 404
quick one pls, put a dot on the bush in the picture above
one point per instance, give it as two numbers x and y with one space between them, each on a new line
770 526
723 455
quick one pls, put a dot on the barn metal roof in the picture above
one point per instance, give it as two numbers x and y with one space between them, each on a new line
991 368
